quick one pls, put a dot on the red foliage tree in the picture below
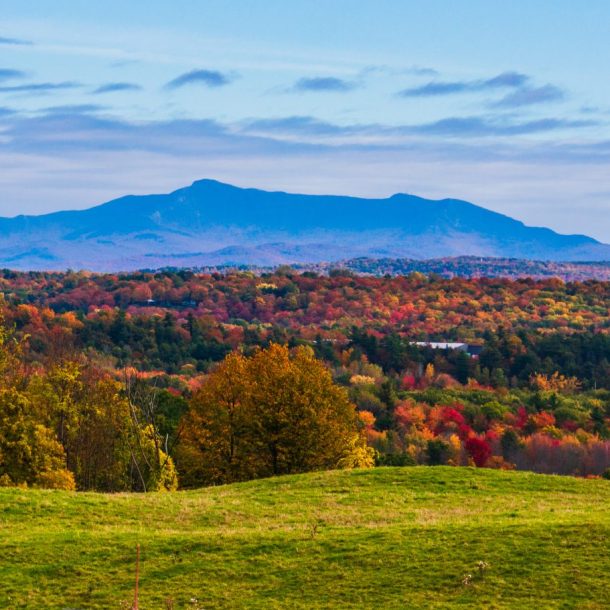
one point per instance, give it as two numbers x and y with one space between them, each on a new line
478 449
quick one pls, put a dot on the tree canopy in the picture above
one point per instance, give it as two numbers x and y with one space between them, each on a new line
277 412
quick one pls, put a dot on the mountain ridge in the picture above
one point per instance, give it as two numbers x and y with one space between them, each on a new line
210 222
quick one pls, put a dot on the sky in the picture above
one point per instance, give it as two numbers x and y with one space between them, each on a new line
504 104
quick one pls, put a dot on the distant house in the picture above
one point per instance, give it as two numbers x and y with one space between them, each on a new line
475 350
471 350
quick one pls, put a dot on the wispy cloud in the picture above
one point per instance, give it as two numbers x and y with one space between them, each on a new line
121 63
484 126
78 129
116 87
61 130
10 73
393 71
323 84
72 109
590 110
40 87
295 125
307 128
421 71
531 95
436 88
208 78
14 41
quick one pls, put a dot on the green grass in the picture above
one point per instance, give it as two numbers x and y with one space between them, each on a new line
381 538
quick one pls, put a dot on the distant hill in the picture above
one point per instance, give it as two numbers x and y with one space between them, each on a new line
470 267
447 267
211 223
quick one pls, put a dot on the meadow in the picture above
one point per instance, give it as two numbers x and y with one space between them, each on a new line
413 537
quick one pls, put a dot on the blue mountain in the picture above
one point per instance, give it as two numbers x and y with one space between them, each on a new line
211 223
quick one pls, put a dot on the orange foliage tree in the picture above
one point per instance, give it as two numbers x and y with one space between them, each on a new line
277 412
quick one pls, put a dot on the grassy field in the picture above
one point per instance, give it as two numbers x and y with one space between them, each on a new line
382 538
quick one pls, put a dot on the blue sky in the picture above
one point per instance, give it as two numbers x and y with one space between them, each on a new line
504 104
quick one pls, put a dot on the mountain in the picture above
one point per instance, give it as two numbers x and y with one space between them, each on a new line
211 223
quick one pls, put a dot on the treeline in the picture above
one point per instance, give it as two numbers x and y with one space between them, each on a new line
424 307
175 321
475 266
188 344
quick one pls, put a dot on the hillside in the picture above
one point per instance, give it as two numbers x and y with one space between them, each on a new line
386 538
210 223
448 267
472 267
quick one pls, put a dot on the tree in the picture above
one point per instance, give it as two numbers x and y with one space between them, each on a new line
478 449
214 446
29 452
148 447
277 412
100 455
104 445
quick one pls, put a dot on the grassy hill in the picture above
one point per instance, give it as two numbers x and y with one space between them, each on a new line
383 538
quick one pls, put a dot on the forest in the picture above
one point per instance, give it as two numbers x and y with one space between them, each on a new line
471 267
120 381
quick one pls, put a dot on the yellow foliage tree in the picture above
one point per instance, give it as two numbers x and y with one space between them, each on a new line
555 383
29 452
277 412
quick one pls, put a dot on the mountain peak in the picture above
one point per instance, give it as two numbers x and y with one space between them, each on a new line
211 182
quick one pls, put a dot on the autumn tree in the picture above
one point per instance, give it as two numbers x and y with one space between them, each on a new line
277 412
555 383
215 445
29 451
104 445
